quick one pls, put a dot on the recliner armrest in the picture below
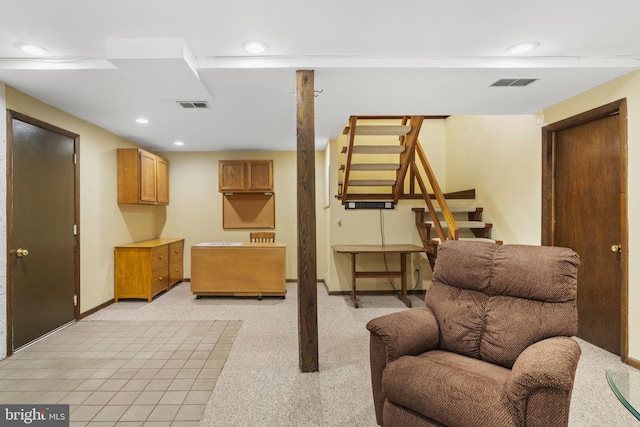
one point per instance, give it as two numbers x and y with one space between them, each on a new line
408 332
550 363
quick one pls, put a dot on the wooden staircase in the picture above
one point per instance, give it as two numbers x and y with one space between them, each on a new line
391 165
468 218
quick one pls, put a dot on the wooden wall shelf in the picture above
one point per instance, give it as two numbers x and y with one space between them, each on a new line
255 210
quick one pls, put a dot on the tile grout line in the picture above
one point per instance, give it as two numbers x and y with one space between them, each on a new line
187 339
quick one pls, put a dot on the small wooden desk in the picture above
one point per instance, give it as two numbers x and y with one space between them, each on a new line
238 269
403 250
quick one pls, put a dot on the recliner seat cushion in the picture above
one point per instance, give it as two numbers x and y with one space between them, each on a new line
451 389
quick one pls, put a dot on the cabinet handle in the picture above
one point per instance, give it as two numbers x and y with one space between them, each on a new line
161 257
160 278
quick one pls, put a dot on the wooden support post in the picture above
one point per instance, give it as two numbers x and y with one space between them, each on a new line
307 274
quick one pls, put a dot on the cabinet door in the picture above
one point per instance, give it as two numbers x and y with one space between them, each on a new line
132 273
231 175
260 175
128 175
176 262
162 184
147 177
159 269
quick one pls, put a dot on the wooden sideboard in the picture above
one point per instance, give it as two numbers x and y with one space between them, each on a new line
238 269
144 269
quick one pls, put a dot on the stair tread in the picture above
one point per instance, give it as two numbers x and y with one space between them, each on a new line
382 130
378 149
371 182
462 224
374 166
469 239
456 209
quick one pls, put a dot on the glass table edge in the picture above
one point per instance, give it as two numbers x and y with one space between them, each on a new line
620 396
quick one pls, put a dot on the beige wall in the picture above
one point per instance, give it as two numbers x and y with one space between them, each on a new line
195 211
499 156
3 225
625 87
365 226
103 224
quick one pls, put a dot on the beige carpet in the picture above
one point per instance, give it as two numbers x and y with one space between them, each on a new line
261 385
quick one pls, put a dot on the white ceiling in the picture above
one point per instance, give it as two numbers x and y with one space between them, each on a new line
370 57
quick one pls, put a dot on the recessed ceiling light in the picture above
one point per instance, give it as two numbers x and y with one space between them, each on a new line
142 120
522 48
255 47
179 143
32 49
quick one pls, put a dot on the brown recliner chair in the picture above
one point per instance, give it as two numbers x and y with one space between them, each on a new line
492 347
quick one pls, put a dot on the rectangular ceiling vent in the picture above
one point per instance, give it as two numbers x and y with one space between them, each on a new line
513 82
193 104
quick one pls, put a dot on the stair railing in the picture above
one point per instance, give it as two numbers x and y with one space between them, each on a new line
407 156
407 164
442 201
347 166
427 199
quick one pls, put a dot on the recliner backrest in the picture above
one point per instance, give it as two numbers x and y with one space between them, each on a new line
493 301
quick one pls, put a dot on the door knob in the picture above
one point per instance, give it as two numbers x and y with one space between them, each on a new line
22 252
616 248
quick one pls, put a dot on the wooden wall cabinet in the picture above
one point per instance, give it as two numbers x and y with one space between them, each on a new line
245 176
162 181
144 269
143 177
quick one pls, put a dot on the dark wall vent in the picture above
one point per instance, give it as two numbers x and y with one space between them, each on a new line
194 104
513 82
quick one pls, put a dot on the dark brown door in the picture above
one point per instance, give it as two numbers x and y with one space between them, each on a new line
42 234
588 209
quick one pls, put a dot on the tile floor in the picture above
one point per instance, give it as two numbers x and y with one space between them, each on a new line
123 373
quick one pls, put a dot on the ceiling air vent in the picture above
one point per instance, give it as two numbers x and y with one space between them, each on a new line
194 104
513 82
